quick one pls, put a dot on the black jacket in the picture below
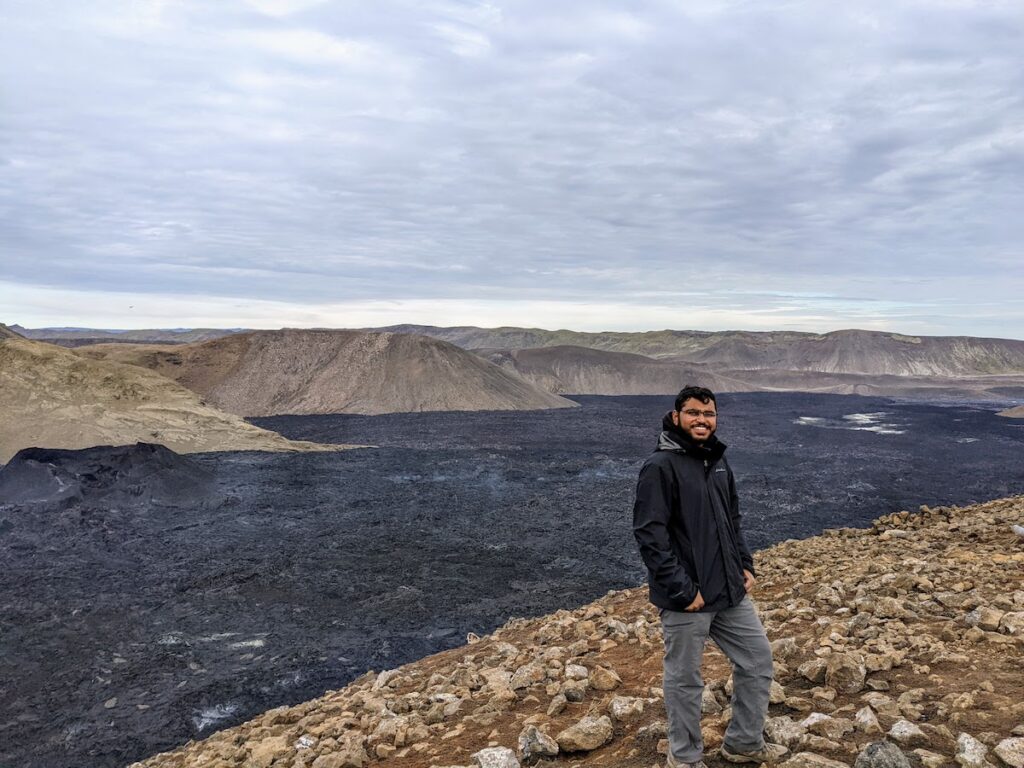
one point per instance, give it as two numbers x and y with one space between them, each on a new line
686 520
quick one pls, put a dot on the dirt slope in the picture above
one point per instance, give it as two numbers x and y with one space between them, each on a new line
910 631
52 398
583 371
267 373
1013 413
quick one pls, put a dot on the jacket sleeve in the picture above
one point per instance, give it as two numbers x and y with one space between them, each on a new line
734 516
650 527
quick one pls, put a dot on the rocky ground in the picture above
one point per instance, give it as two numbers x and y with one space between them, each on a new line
898 644
134 621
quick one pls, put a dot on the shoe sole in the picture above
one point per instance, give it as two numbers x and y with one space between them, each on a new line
732 757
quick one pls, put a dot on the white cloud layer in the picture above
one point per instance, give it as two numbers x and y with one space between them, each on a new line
756 164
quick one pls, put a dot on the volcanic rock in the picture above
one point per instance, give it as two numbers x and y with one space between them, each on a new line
535 744
881 754
142 472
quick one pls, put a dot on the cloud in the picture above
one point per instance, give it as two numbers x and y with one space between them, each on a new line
304 153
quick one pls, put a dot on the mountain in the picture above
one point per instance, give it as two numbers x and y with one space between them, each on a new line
900 641
265 373
74 337
582 371
649 343
871 353
6 332
52 398
867 352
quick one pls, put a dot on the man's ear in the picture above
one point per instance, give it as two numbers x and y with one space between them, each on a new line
675 418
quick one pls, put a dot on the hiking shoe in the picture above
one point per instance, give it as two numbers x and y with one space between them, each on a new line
671 762
769 753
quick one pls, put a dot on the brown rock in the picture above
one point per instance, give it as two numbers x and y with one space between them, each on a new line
586 735
811 760
263 753
845 672
604 679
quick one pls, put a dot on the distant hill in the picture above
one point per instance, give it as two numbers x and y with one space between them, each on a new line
74 337
6 332
648 343
265 373
851 351
583 371
52 398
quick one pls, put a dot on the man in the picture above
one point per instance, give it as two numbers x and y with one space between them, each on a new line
687 522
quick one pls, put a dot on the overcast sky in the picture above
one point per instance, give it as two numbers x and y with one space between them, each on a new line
625 166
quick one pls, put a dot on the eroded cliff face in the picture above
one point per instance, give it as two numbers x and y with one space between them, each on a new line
910 631
267 373
874 353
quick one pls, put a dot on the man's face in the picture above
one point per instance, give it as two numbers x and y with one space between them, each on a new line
694 420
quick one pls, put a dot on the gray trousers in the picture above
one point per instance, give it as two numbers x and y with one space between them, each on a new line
739 633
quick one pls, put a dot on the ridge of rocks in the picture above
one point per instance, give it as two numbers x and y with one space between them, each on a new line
900 644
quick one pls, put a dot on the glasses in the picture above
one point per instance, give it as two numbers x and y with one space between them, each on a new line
693 413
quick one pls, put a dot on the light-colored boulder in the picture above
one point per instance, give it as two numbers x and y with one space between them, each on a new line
496 757
833 728
527 675
784 730
604 679
586 735
1012 623
264 752
1011 752
906 734
867 721
971 753
625 709
811 760
930 759
845 672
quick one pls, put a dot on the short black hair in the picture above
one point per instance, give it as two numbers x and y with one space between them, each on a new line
699 393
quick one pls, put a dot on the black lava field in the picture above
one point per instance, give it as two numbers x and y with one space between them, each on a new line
158 603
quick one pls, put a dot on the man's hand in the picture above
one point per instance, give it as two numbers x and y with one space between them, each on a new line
748 580
697 604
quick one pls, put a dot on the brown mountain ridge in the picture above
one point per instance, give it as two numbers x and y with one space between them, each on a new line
50 397
846 351
264 373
